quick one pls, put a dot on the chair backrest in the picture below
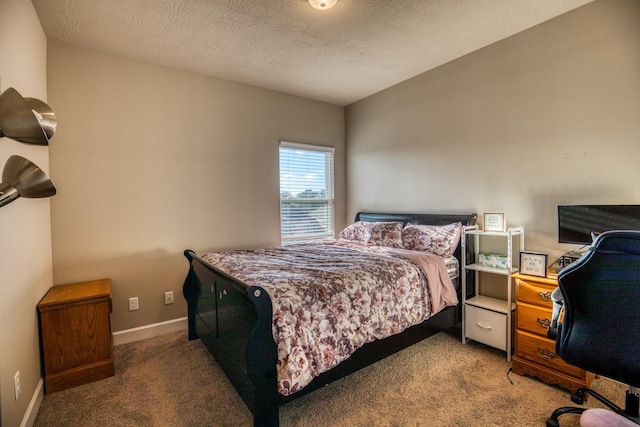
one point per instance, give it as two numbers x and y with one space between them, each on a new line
600 331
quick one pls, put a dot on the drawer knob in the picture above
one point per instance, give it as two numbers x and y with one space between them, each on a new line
485 327
545 323
545 296
546 353
223 293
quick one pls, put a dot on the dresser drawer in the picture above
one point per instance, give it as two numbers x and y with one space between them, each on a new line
542 351
533 318
535 293
486 326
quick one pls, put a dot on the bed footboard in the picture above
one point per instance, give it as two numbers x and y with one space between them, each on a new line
233 321
262 369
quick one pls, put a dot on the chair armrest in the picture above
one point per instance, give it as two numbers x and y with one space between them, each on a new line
558 305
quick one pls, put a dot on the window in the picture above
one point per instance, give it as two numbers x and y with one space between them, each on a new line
306 192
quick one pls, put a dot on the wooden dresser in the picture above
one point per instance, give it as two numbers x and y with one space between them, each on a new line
77 344
534 352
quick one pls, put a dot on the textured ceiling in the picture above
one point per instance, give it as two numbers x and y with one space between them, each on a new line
339 56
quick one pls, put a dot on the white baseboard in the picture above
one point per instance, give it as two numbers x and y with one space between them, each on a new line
149 331
34 406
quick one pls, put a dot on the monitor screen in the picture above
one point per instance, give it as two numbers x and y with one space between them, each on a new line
576 223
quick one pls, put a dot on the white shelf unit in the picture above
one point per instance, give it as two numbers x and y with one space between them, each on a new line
487 319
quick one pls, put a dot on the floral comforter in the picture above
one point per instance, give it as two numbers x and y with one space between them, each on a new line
329 299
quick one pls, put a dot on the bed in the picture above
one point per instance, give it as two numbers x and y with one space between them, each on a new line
230 309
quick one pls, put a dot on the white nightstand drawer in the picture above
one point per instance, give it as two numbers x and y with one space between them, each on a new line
486 326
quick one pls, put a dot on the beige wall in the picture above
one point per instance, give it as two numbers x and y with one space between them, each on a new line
548 116
151 161
25 229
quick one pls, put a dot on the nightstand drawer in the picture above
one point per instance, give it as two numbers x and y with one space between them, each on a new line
542 351
532 318
486 326
534 293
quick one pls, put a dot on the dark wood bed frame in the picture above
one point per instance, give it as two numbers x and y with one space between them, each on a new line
234 320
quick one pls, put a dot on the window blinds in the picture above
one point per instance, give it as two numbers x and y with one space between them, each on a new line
306 192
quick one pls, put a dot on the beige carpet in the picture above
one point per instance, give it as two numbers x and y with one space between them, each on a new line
170 381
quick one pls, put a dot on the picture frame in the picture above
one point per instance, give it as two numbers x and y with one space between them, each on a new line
494 221
533 263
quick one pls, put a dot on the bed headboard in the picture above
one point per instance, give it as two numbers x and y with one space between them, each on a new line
418 218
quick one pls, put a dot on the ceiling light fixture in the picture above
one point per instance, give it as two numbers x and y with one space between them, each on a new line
322 4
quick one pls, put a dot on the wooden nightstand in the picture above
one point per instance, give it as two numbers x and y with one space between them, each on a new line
77 344
535 353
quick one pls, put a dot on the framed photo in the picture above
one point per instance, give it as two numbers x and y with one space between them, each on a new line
533 264
494 221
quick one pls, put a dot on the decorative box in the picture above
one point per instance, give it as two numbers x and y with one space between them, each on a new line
493 261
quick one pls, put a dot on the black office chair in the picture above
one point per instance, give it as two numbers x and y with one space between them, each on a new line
599 296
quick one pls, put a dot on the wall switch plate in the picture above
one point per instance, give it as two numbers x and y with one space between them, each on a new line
168 297
133 304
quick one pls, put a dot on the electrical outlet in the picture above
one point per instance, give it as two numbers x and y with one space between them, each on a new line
168 297
16 385
133 304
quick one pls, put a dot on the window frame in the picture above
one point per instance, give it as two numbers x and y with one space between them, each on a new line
328 201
